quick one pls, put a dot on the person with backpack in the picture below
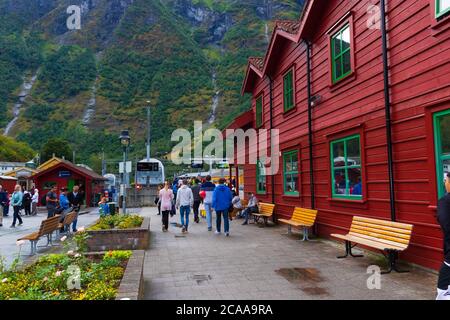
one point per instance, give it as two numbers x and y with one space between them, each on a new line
208 188
26 202
185 201
221 202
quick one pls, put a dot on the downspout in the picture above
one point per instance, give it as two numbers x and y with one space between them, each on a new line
272 177
310 129
387 103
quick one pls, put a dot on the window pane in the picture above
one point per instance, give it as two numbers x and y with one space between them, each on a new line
338 154
444 5
354 176
346 38
353 152
336 44
446 167
288 164
346 63
291 183
294 159
337 68
340 182
445 133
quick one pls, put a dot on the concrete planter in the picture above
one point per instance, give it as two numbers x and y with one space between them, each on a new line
132 284
128 239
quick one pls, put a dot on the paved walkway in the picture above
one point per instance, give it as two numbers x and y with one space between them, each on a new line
261 263
9 236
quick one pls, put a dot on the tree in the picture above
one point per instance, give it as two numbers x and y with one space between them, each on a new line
59 147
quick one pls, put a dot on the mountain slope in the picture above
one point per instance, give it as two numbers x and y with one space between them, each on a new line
183 55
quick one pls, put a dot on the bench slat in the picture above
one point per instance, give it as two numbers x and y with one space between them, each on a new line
369 242
378 236
382 227
385 241
384 223
375 232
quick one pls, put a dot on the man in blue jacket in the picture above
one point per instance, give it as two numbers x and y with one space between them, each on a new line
221 202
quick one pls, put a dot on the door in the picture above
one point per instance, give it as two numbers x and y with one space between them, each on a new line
70 184
442 145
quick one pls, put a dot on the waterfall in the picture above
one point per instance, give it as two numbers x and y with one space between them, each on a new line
25 90
90 107
216 98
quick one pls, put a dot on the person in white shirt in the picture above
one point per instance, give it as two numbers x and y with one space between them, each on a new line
34 202
185 201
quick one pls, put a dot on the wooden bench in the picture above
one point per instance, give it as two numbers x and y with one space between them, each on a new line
68 220
47 228
303 218
265 212
387 236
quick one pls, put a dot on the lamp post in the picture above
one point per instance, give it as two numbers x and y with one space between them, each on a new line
125 141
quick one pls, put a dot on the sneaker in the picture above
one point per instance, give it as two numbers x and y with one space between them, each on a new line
217 232
1 225
183 230
163 229
209 229
12 226
227 234
21 223
245 223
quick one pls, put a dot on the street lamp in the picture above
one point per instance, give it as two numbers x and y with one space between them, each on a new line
125 142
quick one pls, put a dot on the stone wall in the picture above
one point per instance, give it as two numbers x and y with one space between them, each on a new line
128 239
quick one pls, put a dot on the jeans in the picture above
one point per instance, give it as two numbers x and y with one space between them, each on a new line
185 210
208 209
16 215
50 212
74 225
246 213
226 222
165 219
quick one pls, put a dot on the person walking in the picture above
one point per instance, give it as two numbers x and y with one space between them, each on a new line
16 202
76 199
51 200
443 216
34 202
26 202
197 199
157 202
208 187
165 202
185 201
2 204
221 202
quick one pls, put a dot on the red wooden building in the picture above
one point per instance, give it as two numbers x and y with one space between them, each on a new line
369 103
65 174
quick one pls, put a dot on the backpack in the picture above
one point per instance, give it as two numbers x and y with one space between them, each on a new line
44 200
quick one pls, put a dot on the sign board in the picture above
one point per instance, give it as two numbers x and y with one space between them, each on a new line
127 168
148 166
65 174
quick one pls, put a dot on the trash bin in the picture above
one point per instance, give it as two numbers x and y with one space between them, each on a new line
112 208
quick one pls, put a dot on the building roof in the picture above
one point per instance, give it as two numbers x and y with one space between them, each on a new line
55 162
11 164
8 178
285 30
13 173
257 62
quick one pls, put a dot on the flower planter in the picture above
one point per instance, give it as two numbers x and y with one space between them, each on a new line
115 239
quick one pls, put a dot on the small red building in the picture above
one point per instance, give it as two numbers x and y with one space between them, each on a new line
359 134
65 174
8 183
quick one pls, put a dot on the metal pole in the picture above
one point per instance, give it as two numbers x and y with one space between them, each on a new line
148 133
125 179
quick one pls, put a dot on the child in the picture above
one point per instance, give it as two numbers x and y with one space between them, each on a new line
104 208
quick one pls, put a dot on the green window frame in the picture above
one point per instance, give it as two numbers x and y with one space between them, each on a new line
347 167
440 10
339 51
440 155
259 111
261 186
290 172
288 90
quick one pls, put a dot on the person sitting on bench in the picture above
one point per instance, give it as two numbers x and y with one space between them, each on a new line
252 207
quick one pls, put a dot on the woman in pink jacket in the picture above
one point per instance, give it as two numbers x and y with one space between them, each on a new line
165 200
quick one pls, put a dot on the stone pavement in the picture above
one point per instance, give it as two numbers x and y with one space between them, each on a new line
262 263
9 236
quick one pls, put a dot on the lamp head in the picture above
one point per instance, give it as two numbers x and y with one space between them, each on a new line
125 138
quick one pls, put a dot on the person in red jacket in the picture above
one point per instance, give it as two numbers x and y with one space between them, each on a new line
443 215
